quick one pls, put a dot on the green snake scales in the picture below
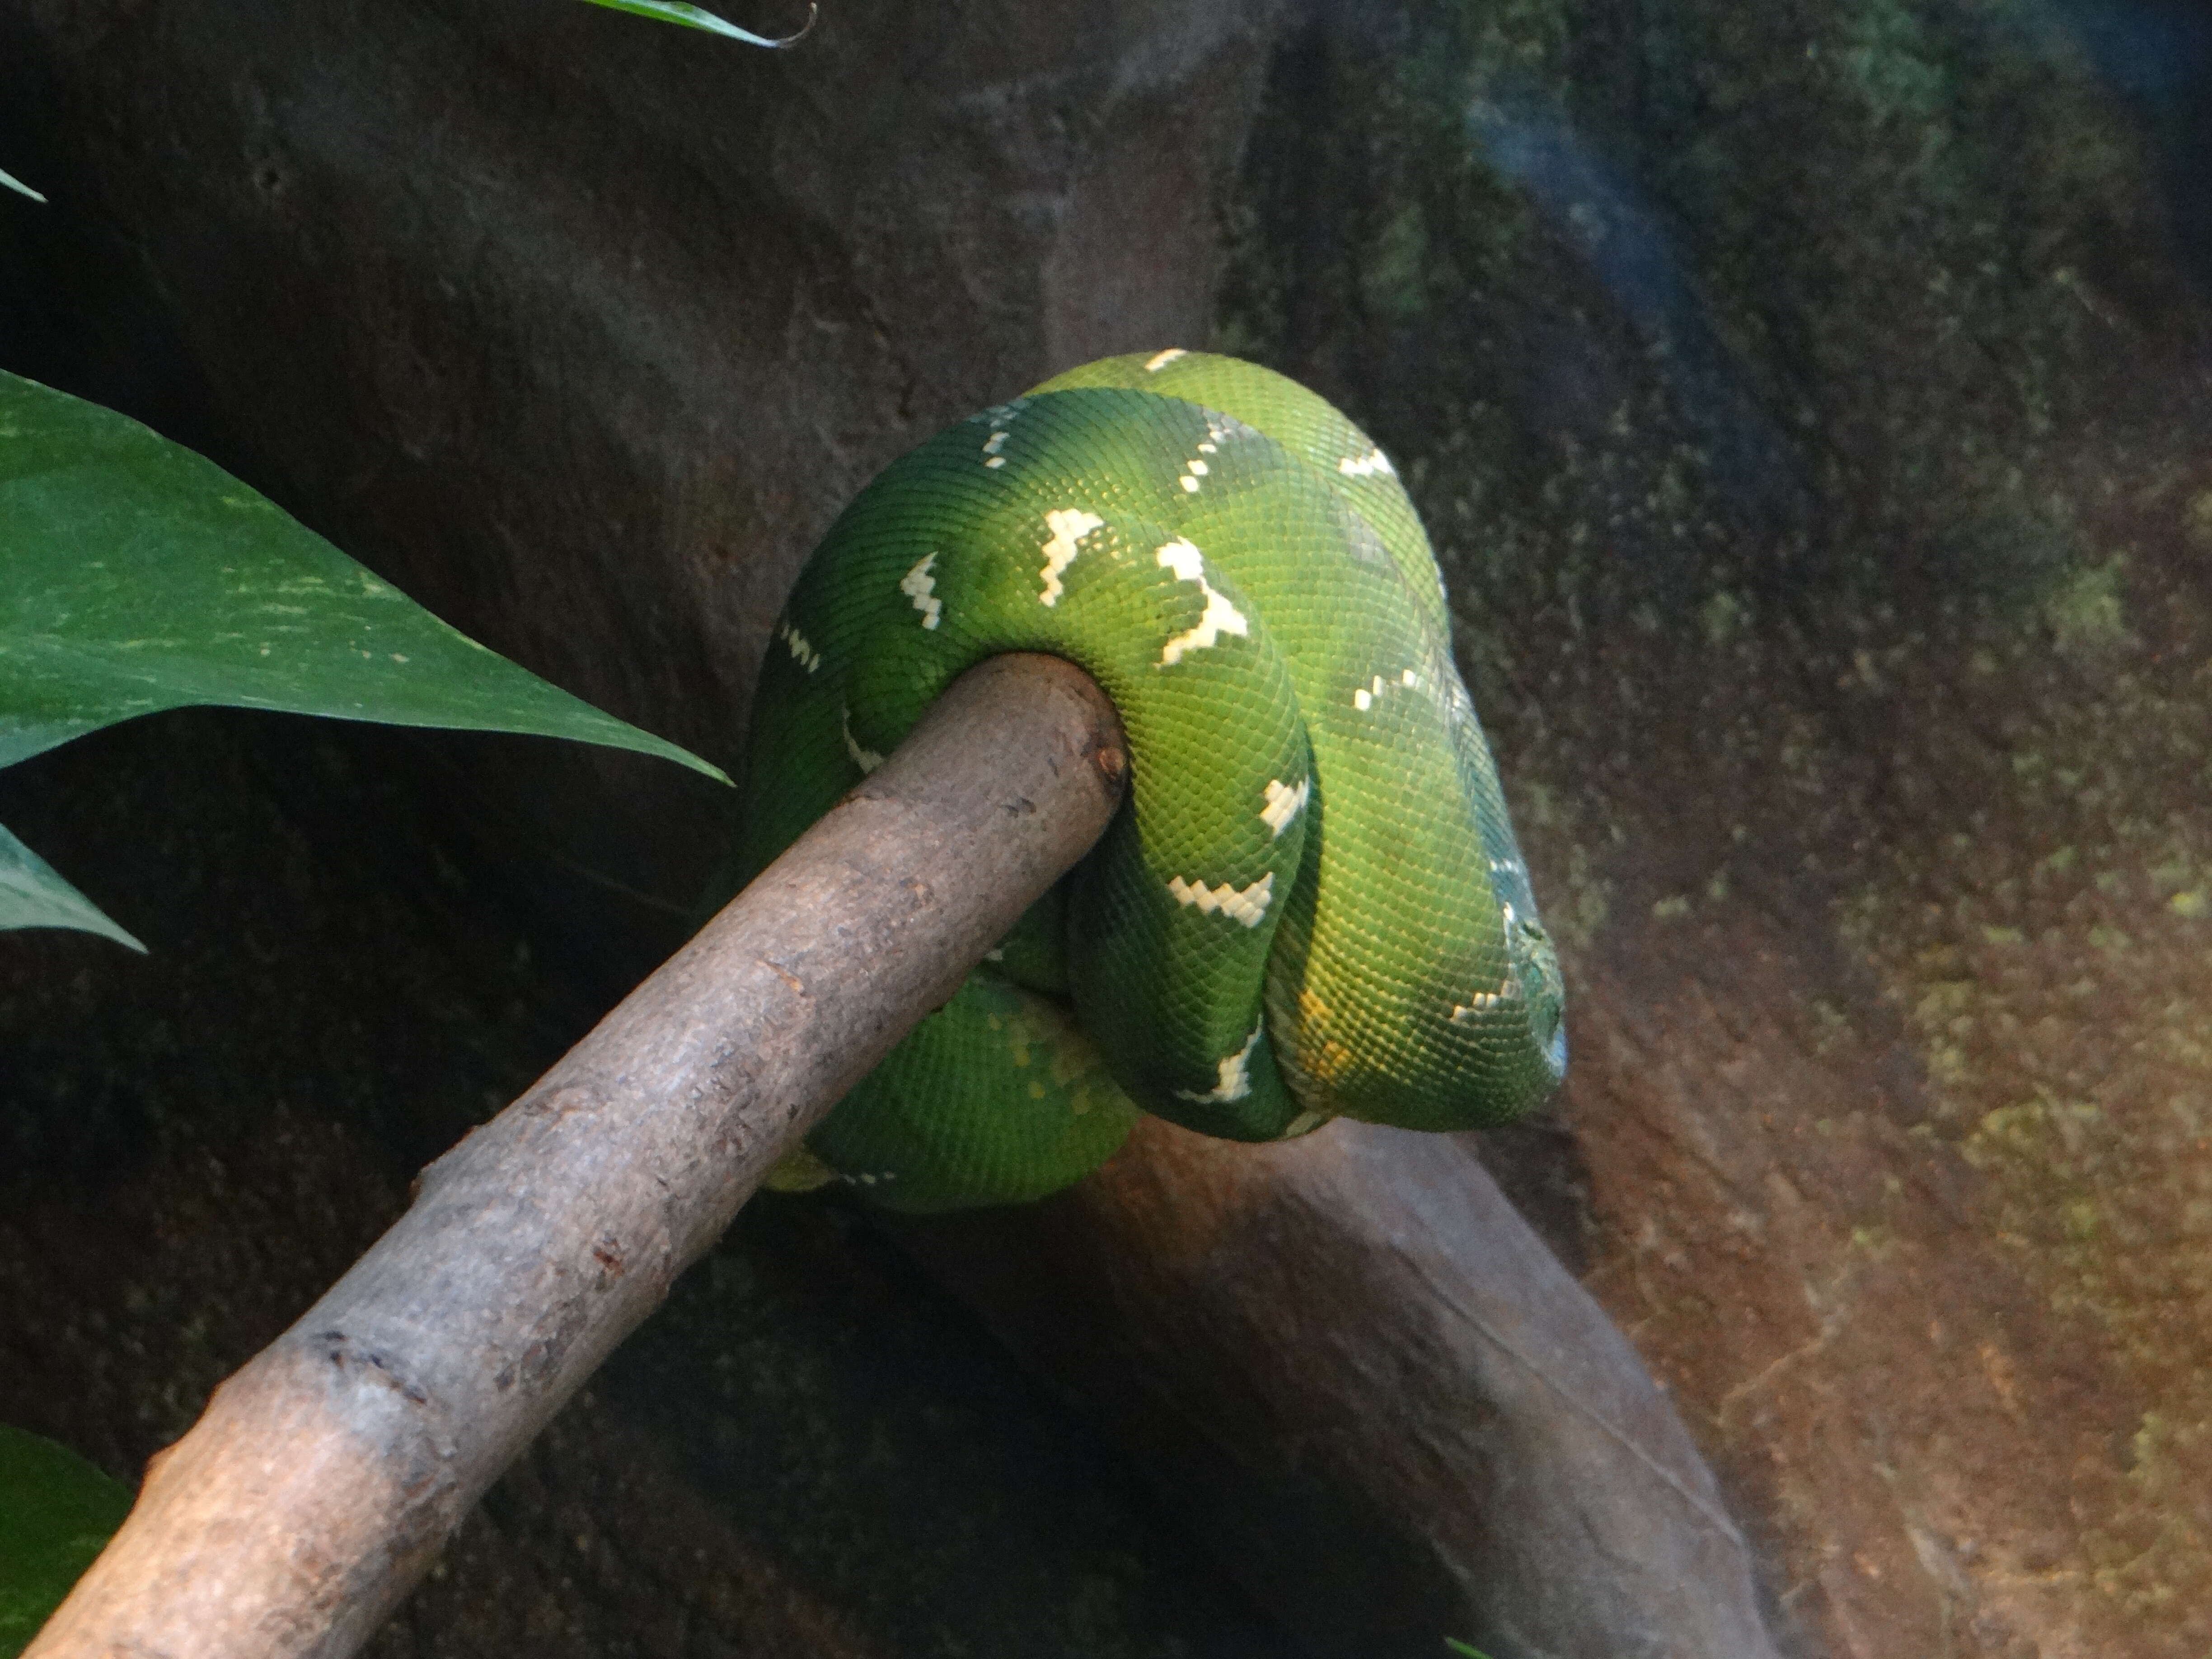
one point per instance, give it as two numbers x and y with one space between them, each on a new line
1310 906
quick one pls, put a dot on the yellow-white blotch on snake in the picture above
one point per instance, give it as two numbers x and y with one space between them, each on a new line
1310 906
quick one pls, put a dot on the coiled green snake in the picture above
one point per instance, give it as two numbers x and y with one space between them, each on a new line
1311 905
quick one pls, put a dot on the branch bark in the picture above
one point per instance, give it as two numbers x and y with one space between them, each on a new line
323 1476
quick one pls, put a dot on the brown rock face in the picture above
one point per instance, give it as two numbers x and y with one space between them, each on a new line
1375 1390
1812 401
1808 401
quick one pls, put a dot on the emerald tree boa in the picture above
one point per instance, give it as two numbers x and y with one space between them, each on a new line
1311 904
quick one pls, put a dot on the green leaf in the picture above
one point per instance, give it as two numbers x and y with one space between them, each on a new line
673 12
33 895
137 576
7 182
1458 1646
57 1512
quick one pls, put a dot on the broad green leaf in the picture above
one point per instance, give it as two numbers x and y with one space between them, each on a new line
673 12
57 1512
33 895
9 182
135 576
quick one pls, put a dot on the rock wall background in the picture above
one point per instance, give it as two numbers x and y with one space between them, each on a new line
1808 402
1813 401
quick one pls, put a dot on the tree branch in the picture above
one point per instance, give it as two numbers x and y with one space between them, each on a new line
325 1475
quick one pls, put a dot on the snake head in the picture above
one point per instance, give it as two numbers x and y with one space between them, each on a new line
1534 962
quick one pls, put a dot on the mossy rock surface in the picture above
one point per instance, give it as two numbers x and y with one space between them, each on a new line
1807 399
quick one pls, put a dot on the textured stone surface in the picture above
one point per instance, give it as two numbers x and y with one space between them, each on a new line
1808 400
1381 1397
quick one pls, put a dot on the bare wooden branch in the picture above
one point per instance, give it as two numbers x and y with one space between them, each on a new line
323 1476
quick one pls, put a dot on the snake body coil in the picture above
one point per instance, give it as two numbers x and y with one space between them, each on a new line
1311 905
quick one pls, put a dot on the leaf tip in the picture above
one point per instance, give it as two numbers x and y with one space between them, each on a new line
813 16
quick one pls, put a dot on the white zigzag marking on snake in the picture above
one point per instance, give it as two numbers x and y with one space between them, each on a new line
1246 904
1284 802
867 759
1363 698
1236 1078
1160 359
1464 1013
1364 466
1219 617
1068 525
801 652
920 586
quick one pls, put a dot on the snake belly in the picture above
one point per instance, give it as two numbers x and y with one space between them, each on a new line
1311 904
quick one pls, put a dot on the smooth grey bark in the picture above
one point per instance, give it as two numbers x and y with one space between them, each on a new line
323 1477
